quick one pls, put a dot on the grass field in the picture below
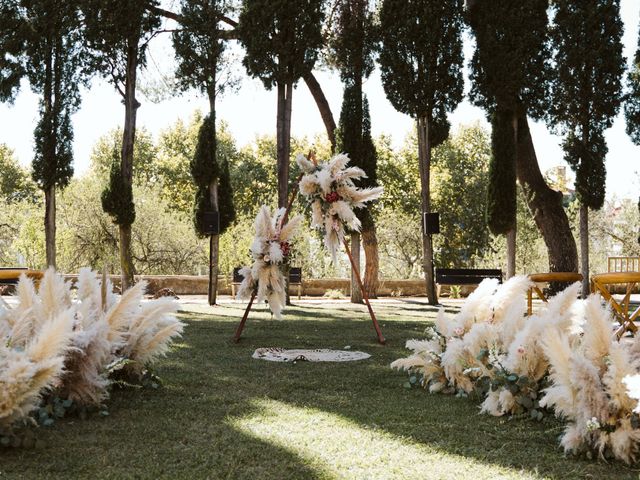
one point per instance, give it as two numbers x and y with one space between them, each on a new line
222 414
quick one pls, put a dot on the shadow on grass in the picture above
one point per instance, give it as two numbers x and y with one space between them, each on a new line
189 428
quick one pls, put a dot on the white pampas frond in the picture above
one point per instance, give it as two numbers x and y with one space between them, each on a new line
25 374
305 165
54 294
289 230
119 315
317 218
362 196
338 162
598 331
510 298
324 179
477 307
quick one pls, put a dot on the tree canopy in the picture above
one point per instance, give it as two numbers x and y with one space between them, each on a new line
421 59
587 87
281 38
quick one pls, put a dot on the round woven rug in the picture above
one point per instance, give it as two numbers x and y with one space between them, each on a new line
308 355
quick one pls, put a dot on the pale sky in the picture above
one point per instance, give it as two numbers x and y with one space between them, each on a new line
251 111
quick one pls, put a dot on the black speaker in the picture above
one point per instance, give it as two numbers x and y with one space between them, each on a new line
430 223
211 222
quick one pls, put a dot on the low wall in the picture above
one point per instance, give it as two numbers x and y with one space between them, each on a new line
198 285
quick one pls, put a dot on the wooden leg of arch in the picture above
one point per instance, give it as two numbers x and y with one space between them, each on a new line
365 297
236 337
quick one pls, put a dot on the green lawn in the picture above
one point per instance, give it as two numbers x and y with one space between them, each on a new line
222 414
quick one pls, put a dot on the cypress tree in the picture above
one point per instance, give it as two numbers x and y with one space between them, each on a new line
42 41
509 69
281 39
199 49
208 168
587 93
351 45
118 33
421 66
632 104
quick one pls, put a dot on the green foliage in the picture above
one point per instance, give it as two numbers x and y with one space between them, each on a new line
117 197
632 105
510 64
204 168
460 177
12 31
207 168
501 192
198 45
352 39
43 42
145 152
15 182
586 87
459 185
421 59
281 38
118 31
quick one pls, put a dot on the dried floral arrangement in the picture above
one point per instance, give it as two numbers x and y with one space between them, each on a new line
328 187
270 252
564 359
595 386
64 351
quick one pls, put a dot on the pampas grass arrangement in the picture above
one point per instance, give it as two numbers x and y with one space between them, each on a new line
595 386
63 348
270 250
564 358
333 196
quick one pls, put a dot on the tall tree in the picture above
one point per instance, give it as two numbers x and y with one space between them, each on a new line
118 33
281 39
632 105
587 93
199 47
509 71
44 45
421 62
208 169
351 48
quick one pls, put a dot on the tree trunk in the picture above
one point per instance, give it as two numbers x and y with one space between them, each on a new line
511 253
372 260
49 152
584 249
323 107
512 234
50 225
126 261
545 205
214 240
214 249
126 167
424 161
283 139
356 293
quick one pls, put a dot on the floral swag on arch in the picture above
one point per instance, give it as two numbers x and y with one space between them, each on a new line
328 187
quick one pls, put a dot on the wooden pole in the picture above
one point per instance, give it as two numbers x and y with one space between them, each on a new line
236 337
381 338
